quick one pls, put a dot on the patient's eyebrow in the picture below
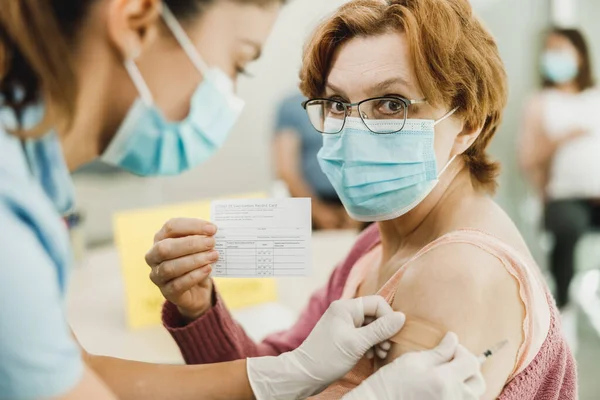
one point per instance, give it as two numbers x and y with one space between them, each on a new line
394 82
335 89
397 84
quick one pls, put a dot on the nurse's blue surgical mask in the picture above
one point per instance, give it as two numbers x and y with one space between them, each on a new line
147 144
380 177
559 66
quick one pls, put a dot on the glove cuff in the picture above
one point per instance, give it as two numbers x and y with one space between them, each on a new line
281 377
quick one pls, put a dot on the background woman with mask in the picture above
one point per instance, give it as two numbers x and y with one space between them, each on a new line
559 152
70 76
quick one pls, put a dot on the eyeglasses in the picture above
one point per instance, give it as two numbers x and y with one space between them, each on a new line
329 116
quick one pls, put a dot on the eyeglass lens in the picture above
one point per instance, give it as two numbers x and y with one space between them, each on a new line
380 115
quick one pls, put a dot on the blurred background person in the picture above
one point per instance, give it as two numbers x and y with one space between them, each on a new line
295 147
560 153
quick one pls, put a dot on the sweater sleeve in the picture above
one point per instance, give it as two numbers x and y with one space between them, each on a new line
216 337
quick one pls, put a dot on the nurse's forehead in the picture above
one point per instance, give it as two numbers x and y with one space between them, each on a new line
240 20
253 22
374 60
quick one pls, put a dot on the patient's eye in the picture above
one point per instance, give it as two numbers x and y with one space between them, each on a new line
335 107
392 107
388 108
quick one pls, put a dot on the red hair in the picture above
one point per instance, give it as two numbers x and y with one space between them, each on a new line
456 60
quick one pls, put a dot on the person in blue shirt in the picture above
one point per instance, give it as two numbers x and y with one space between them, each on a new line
146 86
295 147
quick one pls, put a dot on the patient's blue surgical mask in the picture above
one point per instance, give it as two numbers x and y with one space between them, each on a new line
380 177
148 144
559 66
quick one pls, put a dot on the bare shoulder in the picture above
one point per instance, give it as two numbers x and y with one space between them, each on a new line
460 276
461 288
484 214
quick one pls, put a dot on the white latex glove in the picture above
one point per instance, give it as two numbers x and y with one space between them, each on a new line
448 372
336 344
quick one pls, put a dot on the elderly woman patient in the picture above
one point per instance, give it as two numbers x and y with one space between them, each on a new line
407 95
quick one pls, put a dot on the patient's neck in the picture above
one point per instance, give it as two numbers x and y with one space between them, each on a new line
431 218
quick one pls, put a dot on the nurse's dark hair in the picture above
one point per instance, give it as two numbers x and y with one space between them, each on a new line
585 76
35 43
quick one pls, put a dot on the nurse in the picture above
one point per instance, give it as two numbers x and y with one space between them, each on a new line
82 79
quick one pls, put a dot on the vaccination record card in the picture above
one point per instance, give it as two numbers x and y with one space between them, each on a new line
262 237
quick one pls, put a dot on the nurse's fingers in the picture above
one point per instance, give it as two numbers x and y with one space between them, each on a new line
382 349
381 354
378 350
173 269
464 365
181 285
170 249
180 227
475 387
376 307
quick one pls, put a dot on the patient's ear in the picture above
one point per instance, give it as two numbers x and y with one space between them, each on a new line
466 138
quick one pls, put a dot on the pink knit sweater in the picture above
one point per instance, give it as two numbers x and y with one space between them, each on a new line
216 337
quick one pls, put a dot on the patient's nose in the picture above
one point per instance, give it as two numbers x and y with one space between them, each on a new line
353 112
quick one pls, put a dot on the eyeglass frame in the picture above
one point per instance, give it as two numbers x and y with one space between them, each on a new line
350 106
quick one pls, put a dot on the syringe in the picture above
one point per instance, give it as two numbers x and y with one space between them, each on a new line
491 351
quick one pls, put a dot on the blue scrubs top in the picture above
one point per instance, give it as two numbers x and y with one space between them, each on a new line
38 357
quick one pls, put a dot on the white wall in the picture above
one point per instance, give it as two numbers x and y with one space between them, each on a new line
517 26
588 12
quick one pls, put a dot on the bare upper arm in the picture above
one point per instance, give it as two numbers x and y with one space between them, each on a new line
533 143
90 387
461 288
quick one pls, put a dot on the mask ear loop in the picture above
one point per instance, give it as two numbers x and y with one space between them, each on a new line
183 39
138 79
447 165
448 115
